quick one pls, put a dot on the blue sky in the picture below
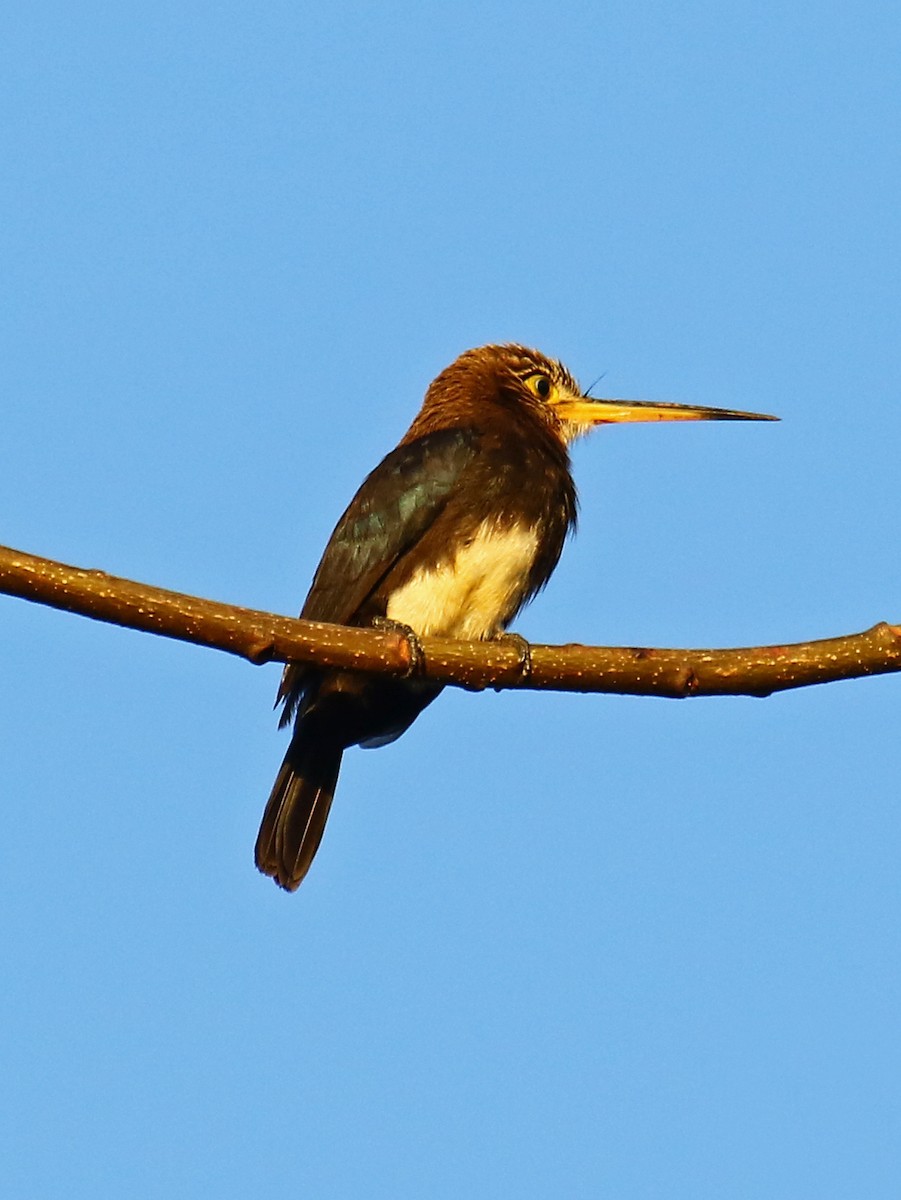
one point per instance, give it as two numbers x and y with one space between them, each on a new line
552 945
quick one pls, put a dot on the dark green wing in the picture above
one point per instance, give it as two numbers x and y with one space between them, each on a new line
394 507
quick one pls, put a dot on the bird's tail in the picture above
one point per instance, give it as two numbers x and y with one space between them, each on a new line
298 807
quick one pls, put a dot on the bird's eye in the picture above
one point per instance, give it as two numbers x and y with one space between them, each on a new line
540 385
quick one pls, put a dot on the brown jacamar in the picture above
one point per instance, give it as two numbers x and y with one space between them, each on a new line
451 534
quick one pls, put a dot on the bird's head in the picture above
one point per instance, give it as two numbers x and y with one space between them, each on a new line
527 383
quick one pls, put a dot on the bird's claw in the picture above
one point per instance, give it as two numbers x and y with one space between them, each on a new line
525 654
414 646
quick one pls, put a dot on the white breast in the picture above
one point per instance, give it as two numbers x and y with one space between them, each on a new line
475 593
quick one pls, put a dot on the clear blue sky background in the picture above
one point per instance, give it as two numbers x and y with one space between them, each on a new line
552 945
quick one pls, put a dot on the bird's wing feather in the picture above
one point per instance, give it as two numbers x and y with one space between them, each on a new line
393 508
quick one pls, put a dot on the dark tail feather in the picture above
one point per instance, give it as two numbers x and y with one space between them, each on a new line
297 810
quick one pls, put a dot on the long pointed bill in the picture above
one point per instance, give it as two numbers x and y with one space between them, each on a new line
585 411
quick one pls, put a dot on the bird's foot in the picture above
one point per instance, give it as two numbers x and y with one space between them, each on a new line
525 654
417 654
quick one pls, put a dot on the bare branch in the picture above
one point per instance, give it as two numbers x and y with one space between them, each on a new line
263 637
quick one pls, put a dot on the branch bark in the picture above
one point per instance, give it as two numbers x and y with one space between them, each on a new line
264 637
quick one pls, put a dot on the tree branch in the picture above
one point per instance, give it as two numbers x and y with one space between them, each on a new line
263 637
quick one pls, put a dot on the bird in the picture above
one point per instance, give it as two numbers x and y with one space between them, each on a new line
454 531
